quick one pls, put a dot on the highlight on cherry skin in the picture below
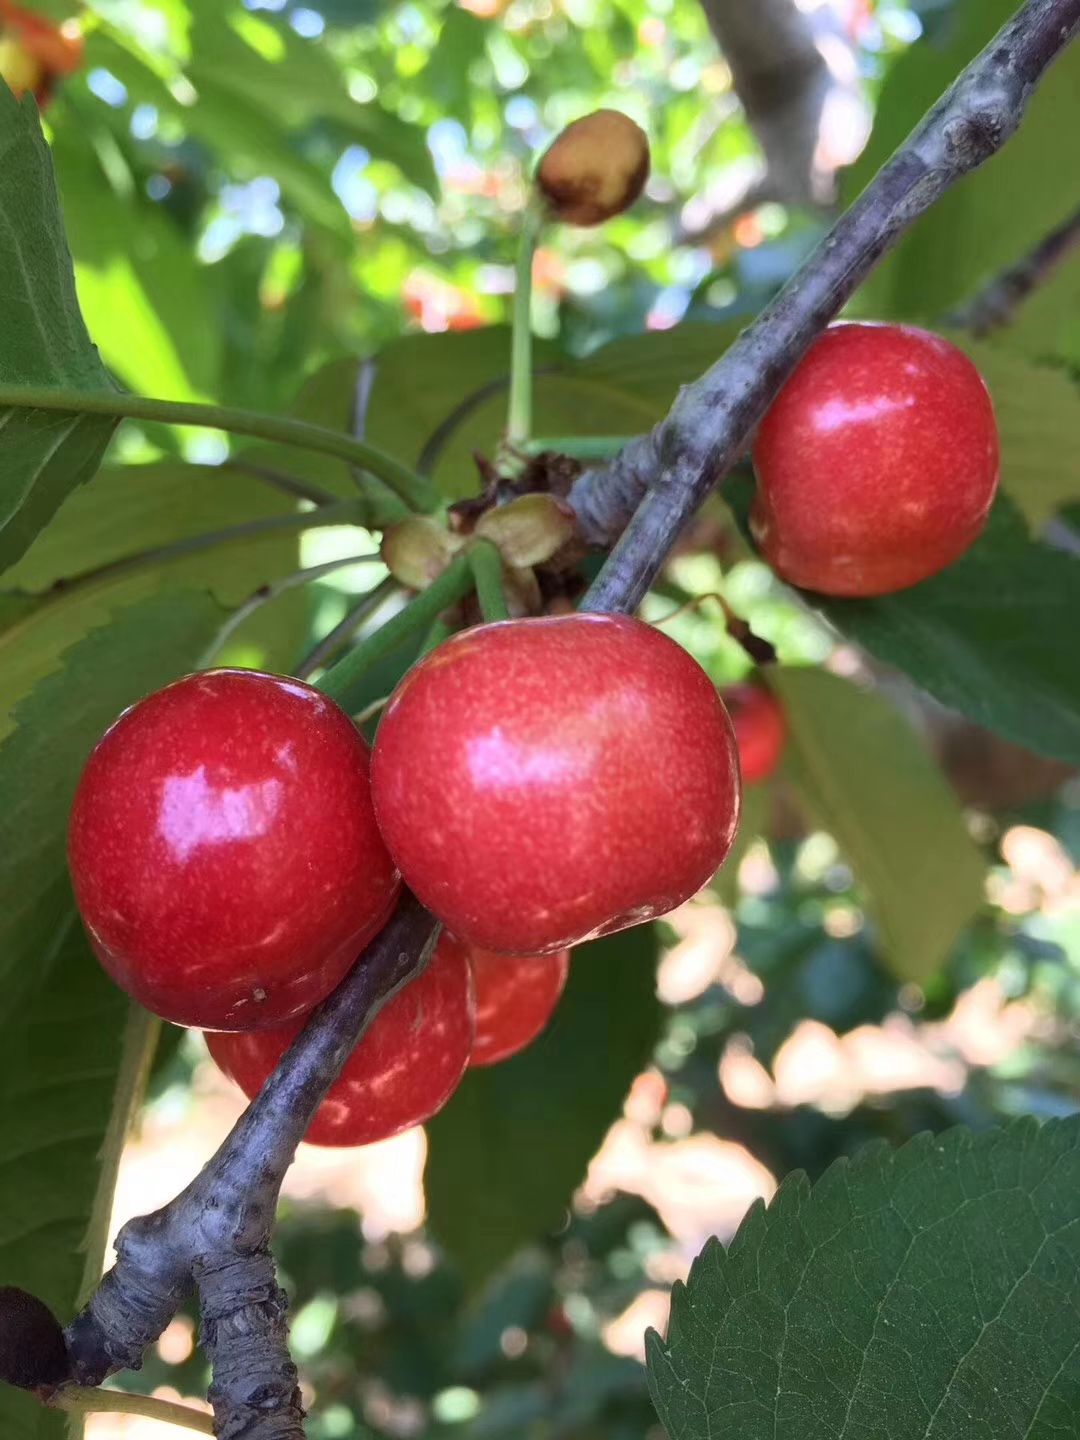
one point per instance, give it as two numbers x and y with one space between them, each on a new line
224 852
877 463
516 996
760 729
403 1070
544 781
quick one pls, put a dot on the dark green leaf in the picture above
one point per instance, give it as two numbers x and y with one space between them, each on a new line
73 1053
43 341
506 1154
1038 415
56 727
984 636
72 1066
920 1293
864 777
127 509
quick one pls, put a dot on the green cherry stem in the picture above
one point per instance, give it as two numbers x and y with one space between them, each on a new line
519 412
435 636
578 447
414 491
452 585
77 1400
487 568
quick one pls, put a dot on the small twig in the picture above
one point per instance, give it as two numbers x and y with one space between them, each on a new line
79 1400
278 480
335 639
997 303
224 1217
276 588
662 478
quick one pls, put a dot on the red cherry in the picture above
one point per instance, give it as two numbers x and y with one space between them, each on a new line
516 996
404 1069
760 729
540 782
224 850
877 463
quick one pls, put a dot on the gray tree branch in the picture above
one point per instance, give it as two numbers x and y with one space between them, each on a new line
660 479
215 1234
787 67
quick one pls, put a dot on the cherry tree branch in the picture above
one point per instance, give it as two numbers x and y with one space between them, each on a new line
215 1234
650 490
997 303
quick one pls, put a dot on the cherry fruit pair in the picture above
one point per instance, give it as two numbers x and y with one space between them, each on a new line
233 847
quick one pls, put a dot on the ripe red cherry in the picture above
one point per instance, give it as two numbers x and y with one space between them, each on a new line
516 996
760 729
403 1070
224 850
877 463
543 781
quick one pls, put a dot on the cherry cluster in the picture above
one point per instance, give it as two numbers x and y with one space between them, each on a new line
536 783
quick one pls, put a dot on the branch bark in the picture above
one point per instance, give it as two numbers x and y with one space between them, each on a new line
789 68
661 478
215 1234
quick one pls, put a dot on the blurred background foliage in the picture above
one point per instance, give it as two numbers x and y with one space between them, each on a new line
258 194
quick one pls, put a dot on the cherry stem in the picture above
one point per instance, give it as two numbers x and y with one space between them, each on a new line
578 447
519 408
89 1400
487 570
452 585
412 490
435 636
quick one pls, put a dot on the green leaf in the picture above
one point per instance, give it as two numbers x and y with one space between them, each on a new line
925 1293
132 508
984 636
455 385
149 305
992 216
863 776
43 341
73 1053
506 1154
57 725
73 1064
1038 415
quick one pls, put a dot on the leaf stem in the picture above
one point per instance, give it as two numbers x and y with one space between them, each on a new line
83 1400
454 583
487 569
410 488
